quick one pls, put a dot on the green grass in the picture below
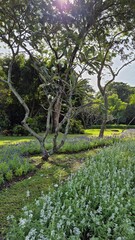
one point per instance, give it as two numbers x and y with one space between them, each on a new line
108 132
6 140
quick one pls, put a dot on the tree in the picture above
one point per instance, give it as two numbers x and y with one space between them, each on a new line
47 25
122 89
48 28
116 107
108 44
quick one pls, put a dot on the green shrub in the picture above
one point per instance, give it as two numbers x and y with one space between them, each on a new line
75 127
37 123
3 167
13 163
20 131
1 179
19 171
9 175
95 203
7 132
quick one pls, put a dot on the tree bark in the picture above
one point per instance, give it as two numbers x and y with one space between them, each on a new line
104 119
56 113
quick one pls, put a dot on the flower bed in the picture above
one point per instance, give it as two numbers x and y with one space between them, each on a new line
95 203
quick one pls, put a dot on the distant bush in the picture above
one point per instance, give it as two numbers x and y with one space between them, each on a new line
37 123
20 131
75 127
95 203
7 132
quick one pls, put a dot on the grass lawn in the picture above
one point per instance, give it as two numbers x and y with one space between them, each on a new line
6 140
108 132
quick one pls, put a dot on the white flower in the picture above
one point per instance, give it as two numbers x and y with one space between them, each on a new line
52 233
76 231
56 185
116 209
22 222
28 193
37 203
31 235
99 210
10 217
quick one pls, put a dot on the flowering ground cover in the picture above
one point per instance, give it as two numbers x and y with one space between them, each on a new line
15 195
95 203
14 160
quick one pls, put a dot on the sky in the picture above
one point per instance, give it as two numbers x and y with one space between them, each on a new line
127 74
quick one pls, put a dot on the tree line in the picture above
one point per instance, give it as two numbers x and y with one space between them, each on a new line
62 40
121 101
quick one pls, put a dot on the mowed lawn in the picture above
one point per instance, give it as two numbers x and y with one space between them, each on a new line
5 140
108 132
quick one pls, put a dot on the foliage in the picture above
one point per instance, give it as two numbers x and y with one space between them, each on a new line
96 203
18 164
18 130
75 127
12 163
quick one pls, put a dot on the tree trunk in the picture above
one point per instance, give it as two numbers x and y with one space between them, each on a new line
104 119
45 154
56 113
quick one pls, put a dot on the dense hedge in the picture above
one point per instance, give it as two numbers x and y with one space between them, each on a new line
96 203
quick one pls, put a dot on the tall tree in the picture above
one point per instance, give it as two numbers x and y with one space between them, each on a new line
57 31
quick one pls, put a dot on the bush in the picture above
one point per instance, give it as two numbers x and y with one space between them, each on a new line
7 132
95 203
37 123
75 127
9 175
20 131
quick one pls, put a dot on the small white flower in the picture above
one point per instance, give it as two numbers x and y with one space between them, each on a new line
76 231
52 233
22 222
28 194
37 203
116 209
99 210
56 185
109 230
10 217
